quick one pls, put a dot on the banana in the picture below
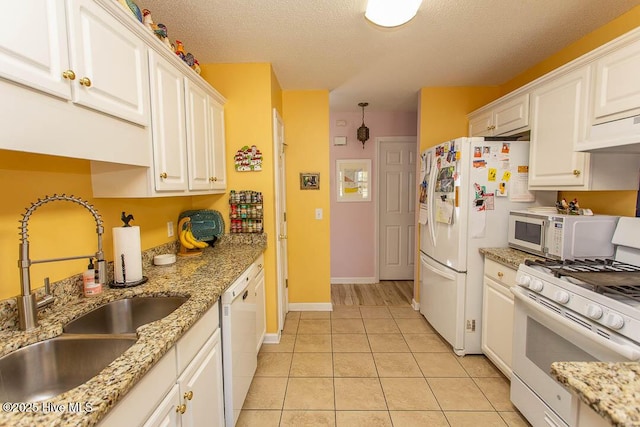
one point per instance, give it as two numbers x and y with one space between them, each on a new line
191 239
183 240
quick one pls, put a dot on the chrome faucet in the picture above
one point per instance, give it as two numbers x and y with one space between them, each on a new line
28 305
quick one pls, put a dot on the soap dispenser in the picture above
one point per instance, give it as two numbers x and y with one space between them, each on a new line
90 286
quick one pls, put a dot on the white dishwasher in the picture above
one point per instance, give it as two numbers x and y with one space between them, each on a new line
239 355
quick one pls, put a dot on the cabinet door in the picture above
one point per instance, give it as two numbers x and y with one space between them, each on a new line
33 45
199 140
261 321
110 63
511 115
167 413
168 125
617 85
201 387
558 113
481 124
497 324
219 167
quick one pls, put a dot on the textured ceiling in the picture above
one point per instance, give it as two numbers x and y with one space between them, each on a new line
328 44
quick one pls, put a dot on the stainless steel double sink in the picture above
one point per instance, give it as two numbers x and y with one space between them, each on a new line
88 345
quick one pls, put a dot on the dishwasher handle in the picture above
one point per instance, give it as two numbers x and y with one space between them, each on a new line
245 295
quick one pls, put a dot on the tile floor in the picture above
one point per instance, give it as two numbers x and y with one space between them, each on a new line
372 366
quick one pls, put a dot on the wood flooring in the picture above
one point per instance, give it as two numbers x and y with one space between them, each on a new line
388 292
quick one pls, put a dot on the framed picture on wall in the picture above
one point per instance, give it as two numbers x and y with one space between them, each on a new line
354 180
309 181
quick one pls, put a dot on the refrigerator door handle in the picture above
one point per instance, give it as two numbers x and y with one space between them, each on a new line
430 206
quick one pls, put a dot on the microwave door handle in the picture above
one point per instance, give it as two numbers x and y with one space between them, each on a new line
623 350
543 237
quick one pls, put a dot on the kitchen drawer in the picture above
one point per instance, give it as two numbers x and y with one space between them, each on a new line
191 342
256 267
500 273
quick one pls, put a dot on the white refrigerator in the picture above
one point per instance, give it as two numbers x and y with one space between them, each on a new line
469 186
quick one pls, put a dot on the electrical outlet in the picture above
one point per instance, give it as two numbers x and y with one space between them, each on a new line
170 229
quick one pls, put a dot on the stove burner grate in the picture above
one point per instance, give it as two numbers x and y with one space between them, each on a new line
605 276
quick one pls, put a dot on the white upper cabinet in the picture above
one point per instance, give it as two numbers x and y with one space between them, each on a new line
168 125
508 115
617 84
82 54
74 81
199 138
558 109
33 45
110 63
219 166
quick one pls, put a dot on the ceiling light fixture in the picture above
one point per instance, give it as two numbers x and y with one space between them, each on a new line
391 13
363 131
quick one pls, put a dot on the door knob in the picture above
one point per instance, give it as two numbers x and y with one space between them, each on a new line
85 81
69 74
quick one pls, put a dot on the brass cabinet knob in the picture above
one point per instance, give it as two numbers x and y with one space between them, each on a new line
500 275
188 395
85 81
69 74
282 237
163 175
181 409
213 179
576 172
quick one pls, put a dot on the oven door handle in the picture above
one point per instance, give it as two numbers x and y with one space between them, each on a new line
623 350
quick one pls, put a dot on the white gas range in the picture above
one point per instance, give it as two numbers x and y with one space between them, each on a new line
585 310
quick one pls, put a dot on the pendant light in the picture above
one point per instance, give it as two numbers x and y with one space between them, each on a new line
363 131
391 13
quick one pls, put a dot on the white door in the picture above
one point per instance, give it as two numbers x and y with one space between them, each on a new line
199 141
397 206
281 214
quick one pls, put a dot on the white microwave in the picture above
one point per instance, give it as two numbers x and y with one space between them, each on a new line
558 236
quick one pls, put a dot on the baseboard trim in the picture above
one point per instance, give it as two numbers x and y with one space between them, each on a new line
310 306
272 338
415 304
353 280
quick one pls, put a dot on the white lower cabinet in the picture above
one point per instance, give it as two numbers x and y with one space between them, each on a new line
196 399
261 321
497 314
184 389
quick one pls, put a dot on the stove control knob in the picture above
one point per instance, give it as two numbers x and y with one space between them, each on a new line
594 311
561 297
524 281
614 321
536 285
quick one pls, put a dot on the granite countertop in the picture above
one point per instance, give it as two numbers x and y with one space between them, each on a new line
610 389
508 256
203 279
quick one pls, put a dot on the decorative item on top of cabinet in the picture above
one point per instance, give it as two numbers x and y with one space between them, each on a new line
245 211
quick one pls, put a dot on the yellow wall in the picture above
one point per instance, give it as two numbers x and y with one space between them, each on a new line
444 109
306 120
62 228
251 90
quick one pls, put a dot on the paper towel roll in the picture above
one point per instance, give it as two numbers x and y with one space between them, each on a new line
126 245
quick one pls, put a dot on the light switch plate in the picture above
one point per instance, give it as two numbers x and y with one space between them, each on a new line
170 229
318 213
